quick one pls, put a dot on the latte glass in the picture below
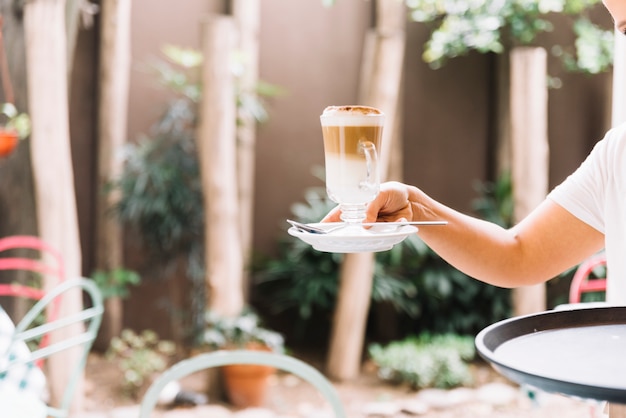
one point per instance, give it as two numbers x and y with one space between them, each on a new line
352 138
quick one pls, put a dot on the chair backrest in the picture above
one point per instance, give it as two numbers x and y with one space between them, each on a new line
54 267
28 329
582 282
47 261
223 358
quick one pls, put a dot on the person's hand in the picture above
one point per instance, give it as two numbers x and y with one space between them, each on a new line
391 205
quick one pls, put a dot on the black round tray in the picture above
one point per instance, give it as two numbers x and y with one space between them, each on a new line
579 352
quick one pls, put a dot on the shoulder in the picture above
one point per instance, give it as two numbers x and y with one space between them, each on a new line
615 137
610 150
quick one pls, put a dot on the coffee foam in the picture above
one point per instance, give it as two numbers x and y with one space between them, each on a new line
351 116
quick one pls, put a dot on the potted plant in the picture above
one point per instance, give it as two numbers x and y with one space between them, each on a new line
13 127
246 385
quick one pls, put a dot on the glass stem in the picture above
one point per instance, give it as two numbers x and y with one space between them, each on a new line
353 214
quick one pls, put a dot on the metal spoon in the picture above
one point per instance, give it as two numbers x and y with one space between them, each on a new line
317 230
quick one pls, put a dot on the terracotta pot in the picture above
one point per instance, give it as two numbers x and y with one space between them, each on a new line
247 384
8 141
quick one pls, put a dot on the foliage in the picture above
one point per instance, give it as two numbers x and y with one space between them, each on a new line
461 26
493 26
139 357
239 332
495 203
115 283
425 361
594 49
160 186
449 301
160 190
14 120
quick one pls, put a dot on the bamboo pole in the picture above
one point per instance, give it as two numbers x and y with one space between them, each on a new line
529 150
114 75
247 17
380 87
52 163
217 157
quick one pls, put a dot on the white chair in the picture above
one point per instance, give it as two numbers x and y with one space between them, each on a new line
16 355
222 358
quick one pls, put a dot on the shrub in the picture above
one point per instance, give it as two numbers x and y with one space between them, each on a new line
139 356
426 361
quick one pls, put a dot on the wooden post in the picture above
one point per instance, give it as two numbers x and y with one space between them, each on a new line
616 288
350 319
380 85
217 157
114 77
57 219
247 16
529 150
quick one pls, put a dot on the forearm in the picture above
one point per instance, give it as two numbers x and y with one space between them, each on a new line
530 253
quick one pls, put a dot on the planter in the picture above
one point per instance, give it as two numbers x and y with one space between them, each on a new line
247 384
8 141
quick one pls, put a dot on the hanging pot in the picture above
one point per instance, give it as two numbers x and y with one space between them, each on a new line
8 141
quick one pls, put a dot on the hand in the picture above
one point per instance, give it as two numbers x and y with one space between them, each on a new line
391 205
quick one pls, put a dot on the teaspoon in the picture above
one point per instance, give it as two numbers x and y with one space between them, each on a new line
317 230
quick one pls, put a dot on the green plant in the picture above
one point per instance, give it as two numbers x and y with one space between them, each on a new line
11 119
139 356
495 203
425 361
160 187
115 283
490 26
240 331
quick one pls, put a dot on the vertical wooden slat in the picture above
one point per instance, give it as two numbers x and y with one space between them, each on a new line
217 157
57 219
247 17
380 87
114 78
529 150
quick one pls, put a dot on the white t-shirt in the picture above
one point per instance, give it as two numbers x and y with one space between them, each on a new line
596 194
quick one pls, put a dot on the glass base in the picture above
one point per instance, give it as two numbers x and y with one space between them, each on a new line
353 214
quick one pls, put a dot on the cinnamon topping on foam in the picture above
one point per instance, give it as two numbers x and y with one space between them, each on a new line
351 116
343 110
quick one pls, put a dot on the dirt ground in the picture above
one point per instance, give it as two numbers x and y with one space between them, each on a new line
288 395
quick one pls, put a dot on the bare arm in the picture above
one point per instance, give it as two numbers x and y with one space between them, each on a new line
549 241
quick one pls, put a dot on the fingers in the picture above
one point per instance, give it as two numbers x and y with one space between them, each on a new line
390 205
373 209
332 216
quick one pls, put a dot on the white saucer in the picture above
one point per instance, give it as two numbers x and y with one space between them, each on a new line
375 239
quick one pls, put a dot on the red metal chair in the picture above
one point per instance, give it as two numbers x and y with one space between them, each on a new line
584 280
45 261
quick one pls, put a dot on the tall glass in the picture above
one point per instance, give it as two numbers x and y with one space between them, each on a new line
352 138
